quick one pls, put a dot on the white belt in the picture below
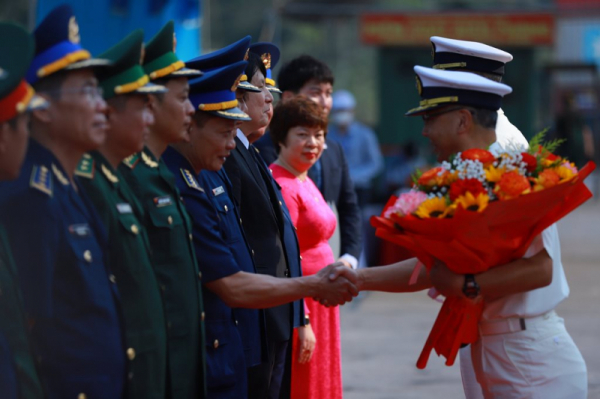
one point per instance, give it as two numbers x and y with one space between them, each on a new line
510 324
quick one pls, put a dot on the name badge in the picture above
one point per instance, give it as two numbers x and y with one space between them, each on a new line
124 208
163 201
218 191
80 230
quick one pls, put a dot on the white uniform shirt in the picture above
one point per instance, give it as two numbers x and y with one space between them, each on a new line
541 300
507 135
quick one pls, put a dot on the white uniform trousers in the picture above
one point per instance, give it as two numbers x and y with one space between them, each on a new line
540 362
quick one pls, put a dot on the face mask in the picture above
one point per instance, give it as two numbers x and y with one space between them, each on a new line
342 118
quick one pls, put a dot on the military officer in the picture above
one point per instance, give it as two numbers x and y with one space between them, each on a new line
125 87
166 220
57 240
19 378
225 259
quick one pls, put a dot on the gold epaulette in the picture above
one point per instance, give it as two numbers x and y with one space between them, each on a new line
132 160
110 176
41 179
86 167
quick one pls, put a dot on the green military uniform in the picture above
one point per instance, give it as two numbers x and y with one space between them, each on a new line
170 232
129 254
19 377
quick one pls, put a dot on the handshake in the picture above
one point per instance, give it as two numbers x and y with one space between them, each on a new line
336 284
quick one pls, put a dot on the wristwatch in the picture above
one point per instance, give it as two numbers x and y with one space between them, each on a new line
470 287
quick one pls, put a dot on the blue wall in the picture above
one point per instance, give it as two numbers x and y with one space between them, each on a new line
103 23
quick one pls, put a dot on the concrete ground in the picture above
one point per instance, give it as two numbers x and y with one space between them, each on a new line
383 334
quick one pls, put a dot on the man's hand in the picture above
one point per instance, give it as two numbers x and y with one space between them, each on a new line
337 285
445 281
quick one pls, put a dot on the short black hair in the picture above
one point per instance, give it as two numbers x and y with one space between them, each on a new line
254 64
484 117
299 71
52 84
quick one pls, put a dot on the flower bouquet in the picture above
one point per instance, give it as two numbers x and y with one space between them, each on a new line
478 210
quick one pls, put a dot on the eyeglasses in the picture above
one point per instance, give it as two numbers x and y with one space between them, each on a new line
432 115
91 92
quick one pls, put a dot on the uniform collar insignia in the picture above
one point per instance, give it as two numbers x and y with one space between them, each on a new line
41 179
86 167
148 161
109 175
60 176
190 180
132 160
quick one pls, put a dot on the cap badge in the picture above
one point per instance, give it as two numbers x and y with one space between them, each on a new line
74 31
419 85
246 55
236 83
266 59
142 54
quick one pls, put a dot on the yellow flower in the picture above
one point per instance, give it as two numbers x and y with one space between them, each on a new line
493 174
471 203
433 208
566 171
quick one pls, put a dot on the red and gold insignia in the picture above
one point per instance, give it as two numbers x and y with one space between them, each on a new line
419 85
266 59
236 83
74 31
246 55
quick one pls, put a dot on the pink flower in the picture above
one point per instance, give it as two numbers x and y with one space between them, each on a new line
406 204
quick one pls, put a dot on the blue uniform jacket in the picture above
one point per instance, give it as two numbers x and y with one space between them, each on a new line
69 295
232 335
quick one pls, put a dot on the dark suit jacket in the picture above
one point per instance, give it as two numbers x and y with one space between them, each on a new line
263 223
337 187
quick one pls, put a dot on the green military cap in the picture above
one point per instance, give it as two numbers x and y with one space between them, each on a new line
16 96
161 60
126 74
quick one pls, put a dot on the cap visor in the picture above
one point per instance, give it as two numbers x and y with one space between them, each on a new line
421 110
232 113
89 63
192 73
248 87
274 89
37 102
150 88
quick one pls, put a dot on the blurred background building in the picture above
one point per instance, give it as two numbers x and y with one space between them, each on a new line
372 46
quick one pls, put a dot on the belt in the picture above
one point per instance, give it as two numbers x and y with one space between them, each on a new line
510 324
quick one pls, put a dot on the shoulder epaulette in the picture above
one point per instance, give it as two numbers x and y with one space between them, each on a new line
148 161
132 160
60 175
86 167
110 176
41 179
190 180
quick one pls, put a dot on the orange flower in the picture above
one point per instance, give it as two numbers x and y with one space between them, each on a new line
511 185
433 178
546 179
477 154
566 171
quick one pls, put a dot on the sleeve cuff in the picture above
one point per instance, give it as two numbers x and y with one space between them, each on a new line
350 259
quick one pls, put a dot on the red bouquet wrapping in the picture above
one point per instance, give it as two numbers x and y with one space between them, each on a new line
475 212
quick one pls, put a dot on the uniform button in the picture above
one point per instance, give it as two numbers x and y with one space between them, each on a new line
280 204
163 288
271 170
87 255
252 252
226 209
112 279
191 237
202 316
134 229
170 220
130 353
240 220
82 396
300 257
199 274
236 322
216 343
130 375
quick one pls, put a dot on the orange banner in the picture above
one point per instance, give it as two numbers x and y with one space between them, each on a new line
496 29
